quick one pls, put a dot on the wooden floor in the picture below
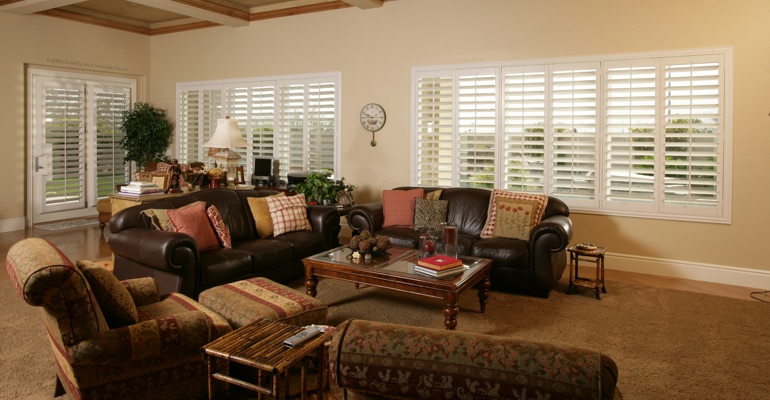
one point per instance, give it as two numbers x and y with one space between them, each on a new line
90 242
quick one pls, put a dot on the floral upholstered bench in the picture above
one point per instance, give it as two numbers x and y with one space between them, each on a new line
374 360
250 300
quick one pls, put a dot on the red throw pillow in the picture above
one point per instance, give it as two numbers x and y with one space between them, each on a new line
398 207
223 234
194 222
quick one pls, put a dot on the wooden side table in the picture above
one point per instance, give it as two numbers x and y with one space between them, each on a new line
260 345
594 256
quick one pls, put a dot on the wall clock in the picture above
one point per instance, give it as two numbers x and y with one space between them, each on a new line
373 119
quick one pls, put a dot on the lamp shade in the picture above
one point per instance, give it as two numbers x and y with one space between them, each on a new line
227 135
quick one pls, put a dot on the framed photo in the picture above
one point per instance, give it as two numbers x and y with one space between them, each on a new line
161 180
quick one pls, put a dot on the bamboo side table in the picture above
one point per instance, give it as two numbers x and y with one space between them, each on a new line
260 345
595 256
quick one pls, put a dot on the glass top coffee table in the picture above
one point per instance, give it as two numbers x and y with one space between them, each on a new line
395 270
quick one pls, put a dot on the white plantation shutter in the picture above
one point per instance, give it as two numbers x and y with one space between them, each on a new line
238 106
321 111
291 128
262 116
64 110
573 131
198 111
435 127
109 104
630 133
524 123
477 129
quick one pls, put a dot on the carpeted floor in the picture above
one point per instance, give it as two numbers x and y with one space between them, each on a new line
668 344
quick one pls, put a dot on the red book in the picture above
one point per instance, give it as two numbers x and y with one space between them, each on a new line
439 262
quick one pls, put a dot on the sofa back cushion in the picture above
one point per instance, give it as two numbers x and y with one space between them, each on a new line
467 208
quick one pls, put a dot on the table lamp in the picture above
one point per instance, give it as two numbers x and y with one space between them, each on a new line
226 137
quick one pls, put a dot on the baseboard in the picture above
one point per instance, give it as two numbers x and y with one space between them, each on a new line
723 274
15 224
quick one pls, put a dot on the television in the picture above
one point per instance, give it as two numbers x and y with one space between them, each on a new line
263 170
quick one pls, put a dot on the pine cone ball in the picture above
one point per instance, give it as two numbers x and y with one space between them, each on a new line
383 242
365 234
364 245
354 241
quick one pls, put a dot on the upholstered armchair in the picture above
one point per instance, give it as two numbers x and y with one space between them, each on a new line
113 339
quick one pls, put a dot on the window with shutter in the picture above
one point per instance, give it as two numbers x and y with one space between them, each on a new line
109 104
292 119
640 135
65 135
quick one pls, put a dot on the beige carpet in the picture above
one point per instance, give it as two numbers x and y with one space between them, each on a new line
668 344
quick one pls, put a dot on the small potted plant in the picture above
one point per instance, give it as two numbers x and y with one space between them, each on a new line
320 188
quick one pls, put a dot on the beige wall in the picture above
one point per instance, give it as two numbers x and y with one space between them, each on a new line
46 41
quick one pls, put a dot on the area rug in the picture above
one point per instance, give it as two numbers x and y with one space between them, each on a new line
668 344
55 226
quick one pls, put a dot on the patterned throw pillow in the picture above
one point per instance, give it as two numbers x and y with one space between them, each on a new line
162 168
261 214
116 303
398 207
223 234
193 221
288 213
512 214
429 214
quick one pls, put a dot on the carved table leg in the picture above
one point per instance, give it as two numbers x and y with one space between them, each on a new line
450 311
311 282
484 293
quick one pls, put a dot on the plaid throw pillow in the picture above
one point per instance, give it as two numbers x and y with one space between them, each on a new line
288 213
163 168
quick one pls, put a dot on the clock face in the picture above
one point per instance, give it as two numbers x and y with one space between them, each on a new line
372 117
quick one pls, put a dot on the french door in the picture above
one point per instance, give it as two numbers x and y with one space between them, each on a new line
74 152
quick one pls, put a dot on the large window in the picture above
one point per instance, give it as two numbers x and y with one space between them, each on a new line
641 135
292 119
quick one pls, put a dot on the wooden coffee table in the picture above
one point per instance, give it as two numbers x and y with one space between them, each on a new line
395 271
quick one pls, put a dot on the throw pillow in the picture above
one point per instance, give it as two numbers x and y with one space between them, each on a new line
223 234
398 207
159 219
288 213
193 221
434 195
512 214
429 214
261 213
114 300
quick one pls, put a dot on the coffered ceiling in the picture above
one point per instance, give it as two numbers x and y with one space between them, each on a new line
156 17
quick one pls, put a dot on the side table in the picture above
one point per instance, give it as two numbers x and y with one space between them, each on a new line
260 346
595 256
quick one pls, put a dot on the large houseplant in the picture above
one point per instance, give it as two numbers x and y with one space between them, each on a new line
148 133
320 188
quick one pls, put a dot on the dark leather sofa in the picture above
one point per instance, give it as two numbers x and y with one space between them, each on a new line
173 259
532 267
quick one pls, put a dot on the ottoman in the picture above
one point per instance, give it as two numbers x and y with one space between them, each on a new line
247 301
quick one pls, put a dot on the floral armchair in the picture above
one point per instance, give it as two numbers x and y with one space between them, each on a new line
114 339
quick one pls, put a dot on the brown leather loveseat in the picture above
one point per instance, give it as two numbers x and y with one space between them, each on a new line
532 267
174 260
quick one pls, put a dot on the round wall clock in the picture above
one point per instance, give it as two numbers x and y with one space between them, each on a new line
373 119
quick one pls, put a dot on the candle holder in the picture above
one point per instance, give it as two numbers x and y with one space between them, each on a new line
449 237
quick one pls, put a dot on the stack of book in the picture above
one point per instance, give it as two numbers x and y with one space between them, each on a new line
439 266
140 188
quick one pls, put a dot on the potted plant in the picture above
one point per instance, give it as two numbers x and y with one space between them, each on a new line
148 133
320 188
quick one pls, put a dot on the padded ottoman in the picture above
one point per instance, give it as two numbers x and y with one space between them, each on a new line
244 302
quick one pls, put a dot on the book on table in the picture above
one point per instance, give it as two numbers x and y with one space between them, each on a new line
439 262
137 188
439 274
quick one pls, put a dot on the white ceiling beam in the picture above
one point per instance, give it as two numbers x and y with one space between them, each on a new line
25 7
195 12
365 4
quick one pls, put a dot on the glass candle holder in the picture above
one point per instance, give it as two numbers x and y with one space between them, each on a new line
449 237
427 245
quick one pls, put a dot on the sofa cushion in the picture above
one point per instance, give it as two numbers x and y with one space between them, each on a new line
512 214
222 265
398 207
261 213
429 214
503 252
289 214
223 234
194 222
115 301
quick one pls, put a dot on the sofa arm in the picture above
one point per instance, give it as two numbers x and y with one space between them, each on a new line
185 332
162 250
547 255
552 234
398 361
142 290
325 219
367 216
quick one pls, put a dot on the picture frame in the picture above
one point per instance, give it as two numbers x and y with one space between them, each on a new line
161 180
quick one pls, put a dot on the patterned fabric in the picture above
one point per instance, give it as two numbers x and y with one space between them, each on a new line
163 168
194 222
434 195
159 216
223 234
115 301
288 214
422 363
515 225
261 213
247 301
398 207
143 290
429 214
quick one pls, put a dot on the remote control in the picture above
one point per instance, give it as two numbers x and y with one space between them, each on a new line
302 337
